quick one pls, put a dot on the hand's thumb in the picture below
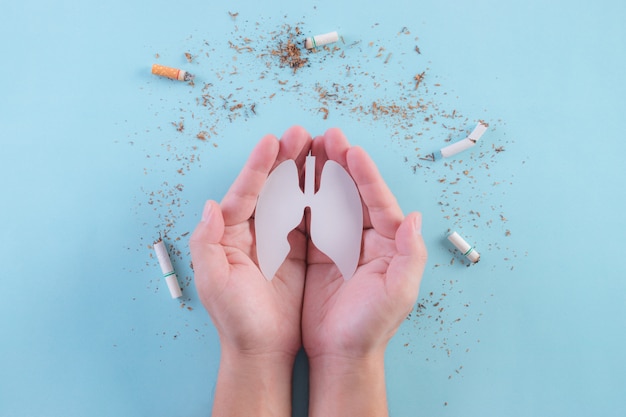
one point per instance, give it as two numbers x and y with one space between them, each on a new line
405 271
207 254
211 227
409 239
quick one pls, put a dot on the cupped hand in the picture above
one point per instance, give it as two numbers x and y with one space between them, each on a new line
357 317
253 316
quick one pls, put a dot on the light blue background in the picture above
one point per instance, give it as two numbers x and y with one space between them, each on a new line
93 170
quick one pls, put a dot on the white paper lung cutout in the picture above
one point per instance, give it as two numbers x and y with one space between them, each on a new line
336 215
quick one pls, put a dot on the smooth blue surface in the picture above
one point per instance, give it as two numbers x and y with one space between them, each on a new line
93 170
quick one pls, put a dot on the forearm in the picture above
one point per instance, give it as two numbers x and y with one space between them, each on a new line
348 386
253 386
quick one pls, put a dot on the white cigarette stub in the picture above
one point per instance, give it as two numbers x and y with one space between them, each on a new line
463 144
321 40
167 269
465 248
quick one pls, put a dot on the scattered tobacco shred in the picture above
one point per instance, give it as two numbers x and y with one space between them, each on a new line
290 55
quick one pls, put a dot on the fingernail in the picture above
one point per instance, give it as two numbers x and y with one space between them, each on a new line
206 212
418 223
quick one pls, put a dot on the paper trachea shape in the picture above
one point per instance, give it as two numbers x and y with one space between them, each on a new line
336 215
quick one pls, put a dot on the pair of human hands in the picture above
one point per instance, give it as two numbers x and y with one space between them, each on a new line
307 303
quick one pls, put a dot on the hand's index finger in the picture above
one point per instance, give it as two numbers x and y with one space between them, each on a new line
239 202
384 212
294 144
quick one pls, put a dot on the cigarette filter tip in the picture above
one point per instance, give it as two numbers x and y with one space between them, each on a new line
172 73
464 247
167 269
321 40
172 285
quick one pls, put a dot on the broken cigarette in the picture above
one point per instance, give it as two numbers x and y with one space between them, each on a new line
465 248
461 145
321 40
167 269
173 73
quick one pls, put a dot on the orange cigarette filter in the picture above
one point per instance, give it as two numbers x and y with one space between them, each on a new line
173 73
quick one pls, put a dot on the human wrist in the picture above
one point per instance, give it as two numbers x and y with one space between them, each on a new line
341 362
253 383
348 385
259 362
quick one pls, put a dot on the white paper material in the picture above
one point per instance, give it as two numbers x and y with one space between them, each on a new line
477 132
464 144
457 147
336 215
